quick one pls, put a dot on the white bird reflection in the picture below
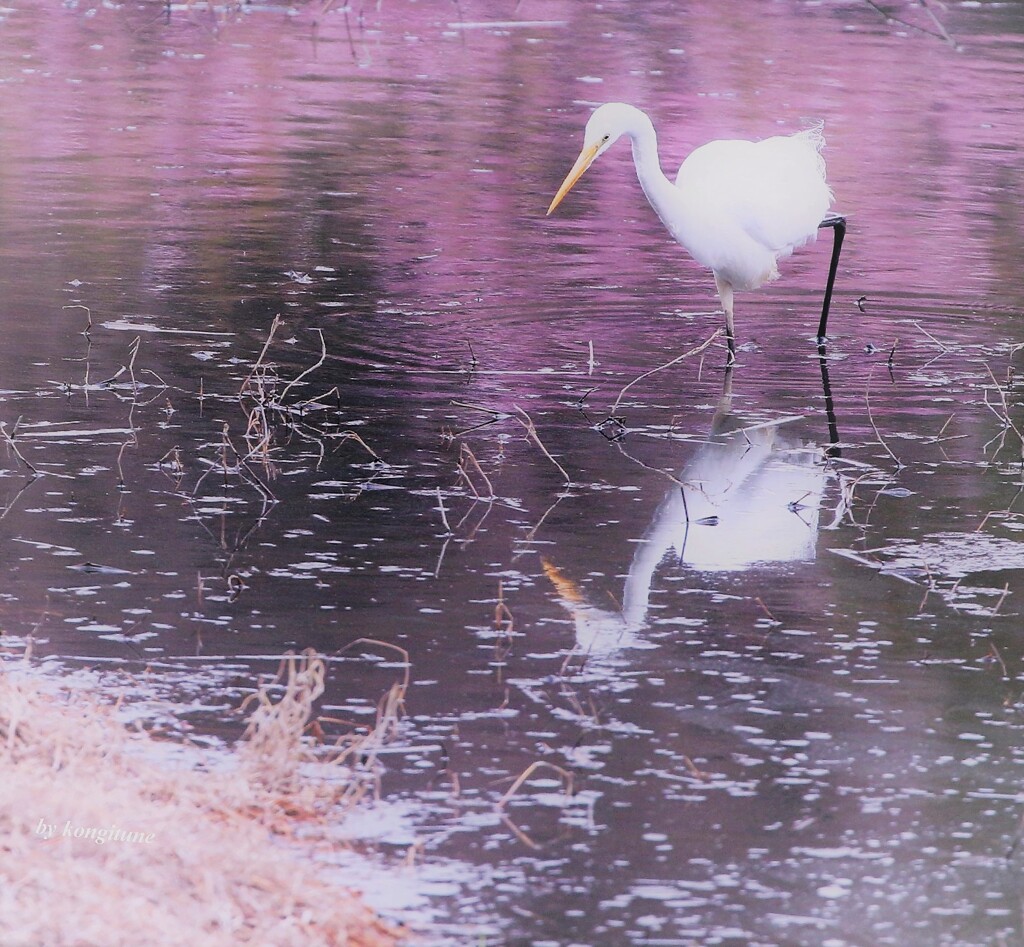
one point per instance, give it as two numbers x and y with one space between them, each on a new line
750 496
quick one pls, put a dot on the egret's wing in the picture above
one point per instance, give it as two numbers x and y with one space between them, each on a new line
773 191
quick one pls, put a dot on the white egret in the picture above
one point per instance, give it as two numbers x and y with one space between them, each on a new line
738 207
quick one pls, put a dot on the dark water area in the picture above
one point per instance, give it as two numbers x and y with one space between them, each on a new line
771 626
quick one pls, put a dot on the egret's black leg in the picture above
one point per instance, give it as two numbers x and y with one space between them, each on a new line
838 224
833 449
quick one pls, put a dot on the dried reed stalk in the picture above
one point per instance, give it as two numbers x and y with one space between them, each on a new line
274 744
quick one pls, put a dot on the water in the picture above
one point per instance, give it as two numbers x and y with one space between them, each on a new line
794 720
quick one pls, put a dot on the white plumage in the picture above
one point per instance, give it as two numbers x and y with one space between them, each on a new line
738 207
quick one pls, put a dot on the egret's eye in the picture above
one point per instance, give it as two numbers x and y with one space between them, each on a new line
606 138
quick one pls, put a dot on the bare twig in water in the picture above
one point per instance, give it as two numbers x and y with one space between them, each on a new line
924 331
564 774
10 506
765 609
467 461
239 467
14 447
444 514
312 368
995 608
503 619
892 353
529 537
942 33
695 771
495 416
531 432
1004 414
88 316
930 587
390 646
694 351
133 351
263 396
994 652
867 401
352 436
131 442
236 586
274 326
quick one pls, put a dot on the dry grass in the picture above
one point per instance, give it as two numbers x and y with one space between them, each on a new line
275 735
223 866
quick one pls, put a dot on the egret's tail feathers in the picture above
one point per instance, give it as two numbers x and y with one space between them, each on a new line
815 137
815 134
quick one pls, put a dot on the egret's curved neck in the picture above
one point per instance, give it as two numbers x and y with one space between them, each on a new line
660 191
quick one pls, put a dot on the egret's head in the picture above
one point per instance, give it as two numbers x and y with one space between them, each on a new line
605 127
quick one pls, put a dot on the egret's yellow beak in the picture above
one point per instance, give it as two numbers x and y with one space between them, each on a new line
584 161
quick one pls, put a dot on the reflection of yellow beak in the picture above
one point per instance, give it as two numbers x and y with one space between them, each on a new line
584 161
566 588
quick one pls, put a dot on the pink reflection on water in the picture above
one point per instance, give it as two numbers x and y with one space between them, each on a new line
427 150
